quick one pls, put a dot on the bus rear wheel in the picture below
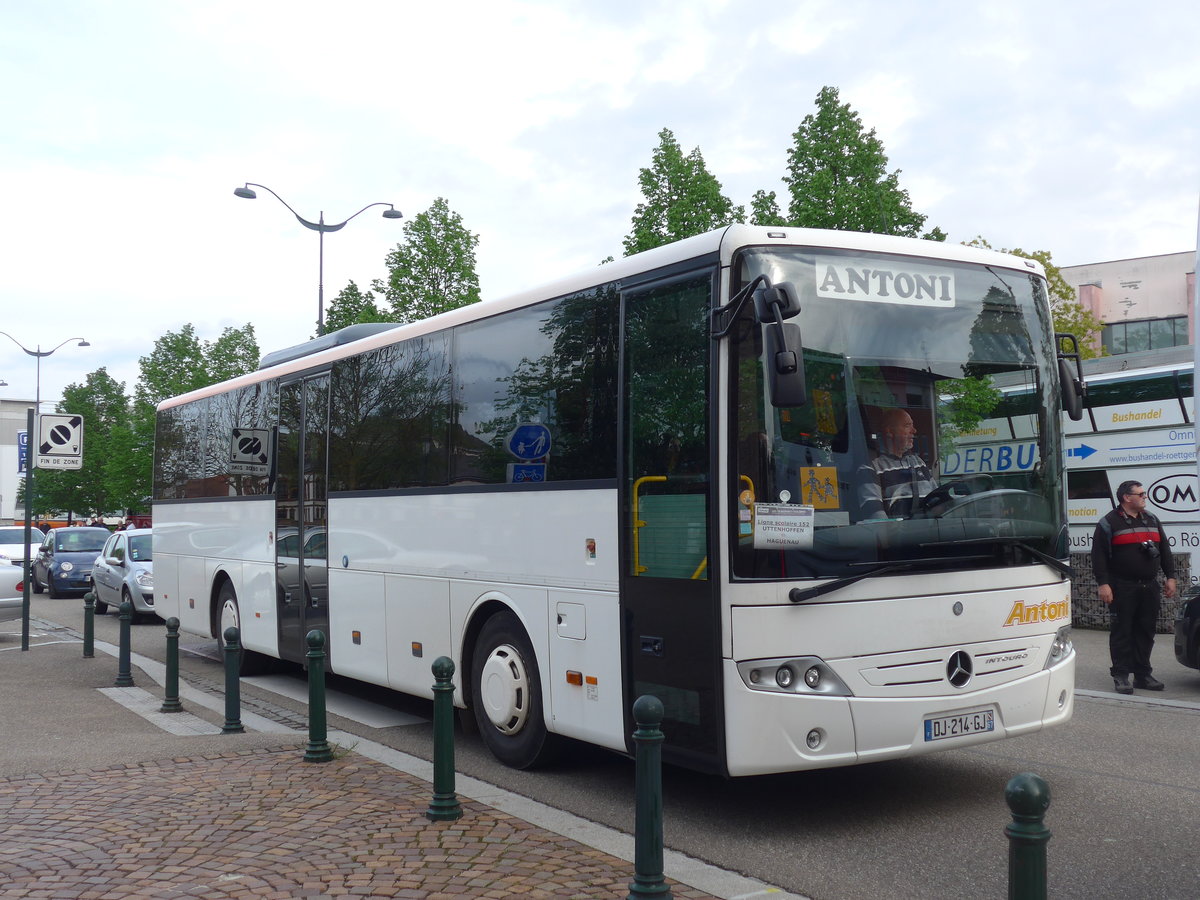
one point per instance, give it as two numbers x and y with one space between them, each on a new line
507 695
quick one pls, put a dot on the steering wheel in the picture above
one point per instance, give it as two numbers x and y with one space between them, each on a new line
963 487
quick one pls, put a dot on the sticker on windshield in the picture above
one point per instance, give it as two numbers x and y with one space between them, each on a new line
782 526
883 281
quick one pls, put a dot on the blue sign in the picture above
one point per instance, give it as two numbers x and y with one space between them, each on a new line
523 473
529 442
22 451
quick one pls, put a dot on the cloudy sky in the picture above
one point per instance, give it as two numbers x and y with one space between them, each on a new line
1065 126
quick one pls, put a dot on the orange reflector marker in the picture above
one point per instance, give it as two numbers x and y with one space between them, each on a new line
575 678
592 679
356 637
418 649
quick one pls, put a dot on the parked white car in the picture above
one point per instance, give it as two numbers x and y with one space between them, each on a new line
125 571
12 545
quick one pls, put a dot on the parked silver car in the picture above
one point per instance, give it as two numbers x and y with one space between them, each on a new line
125 571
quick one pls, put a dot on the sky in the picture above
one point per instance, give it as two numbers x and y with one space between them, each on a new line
1063 126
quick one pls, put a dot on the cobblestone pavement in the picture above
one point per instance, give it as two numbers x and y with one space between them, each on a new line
265 824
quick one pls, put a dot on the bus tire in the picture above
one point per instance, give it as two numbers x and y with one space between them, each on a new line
229 614
507 695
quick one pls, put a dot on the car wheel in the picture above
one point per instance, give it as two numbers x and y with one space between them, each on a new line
507 695
134 615
33 581
101 606
230 615
55 593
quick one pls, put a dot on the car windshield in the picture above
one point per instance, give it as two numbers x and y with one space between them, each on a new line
140 548
80 541
930 433
17 536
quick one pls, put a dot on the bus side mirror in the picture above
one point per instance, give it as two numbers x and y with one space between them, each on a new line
784 351
776 302
1071 382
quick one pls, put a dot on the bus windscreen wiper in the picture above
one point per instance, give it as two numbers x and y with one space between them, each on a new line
1056 564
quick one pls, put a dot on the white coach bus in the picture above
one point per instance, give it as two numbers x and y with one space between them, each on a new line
647 480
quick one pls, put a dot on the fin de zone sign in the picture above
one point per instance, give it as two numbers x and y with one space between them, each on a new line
60 442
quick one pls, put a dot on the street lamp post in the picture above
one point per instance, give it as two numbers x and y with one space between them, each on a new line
320 227
31 442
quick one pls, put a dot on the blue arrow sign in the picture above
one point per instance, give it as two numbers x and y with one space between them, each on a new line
1083 451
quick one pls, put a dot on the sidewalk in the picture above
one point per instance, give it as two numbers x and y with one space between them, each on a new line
97 800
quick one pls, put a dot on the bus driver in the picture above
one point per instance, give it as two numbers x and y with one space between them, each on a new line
890 484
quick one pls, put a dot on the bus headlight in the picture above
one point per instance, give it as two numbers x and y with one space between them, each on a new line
1061 648
796 675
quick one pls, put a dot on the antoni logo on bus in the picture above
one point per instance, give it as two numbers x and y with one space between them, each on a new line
854 278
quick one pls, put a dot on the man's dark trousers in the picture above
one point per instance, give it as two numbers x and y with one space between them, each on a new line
1134 620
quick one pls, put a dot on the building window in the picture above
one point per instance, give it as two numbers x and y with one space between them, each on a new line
1147 334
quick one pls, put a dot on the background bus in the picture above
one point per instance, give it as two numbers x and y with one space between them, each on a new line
1139 424
647 479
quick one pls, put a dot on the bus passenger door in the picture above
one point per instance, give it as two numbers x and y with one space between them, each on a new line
670 625
301 515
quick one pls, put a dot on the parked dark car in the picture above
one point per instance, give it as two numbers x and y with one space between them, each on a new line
1187 629
64 562
124 570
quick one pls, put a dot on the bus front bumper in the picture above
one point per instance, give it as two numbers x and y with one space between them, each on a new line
768 732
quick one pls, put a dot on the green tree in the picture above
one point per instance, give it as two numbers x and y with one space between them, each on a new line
837 175
352 307
102 403
1068 314
433 269
681 198
764 209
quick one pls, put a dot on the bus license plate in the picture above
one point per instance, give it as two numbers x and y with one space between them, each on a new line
939 728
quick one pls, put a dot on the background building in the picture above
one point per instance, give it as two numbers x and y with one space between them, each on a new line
13 414
1144 303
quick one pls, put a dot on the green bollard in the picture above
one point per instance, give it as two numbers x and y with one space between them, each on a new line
445 806
233 687
1028 797
124 670
89 625
648 877
318 749
171 702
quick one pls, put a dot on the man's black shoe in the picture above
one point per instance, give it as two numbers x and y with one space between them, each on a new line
1148 683
1121 683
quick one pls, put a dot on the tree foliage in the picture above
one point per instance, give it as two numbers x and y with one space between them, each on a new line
433 269
352 307
837 175
681 198
102 403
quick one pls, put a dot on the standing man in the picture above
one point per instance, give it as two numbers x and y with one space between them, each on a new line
1128 550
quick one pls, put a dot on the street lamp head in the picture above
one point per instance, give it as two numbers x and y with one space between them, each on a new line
393 213
245 193
83 343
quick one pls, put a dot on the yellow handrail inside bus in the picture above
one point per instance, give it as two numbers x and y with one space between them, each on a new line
638 568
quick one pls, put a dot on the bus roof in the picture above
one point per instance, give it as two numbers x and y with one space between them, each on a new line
723 242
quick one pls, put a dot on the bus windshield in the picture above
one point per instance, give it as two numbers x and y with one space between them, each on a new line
929 435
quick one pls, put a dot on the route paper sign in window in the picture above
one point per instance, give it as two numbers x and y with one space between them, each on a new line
782 526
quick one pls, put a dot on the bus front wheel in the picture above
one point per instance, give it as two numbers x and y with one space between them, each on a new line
507 695
229 614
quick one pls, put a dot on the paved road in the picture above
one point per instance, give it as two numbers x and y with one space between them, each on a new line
1123 776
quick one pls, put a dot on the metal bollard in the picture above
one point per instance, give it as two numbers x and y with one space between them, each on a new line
444 806
1028 797
124 670
89 625
318 749
648 877
171 702
233 687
